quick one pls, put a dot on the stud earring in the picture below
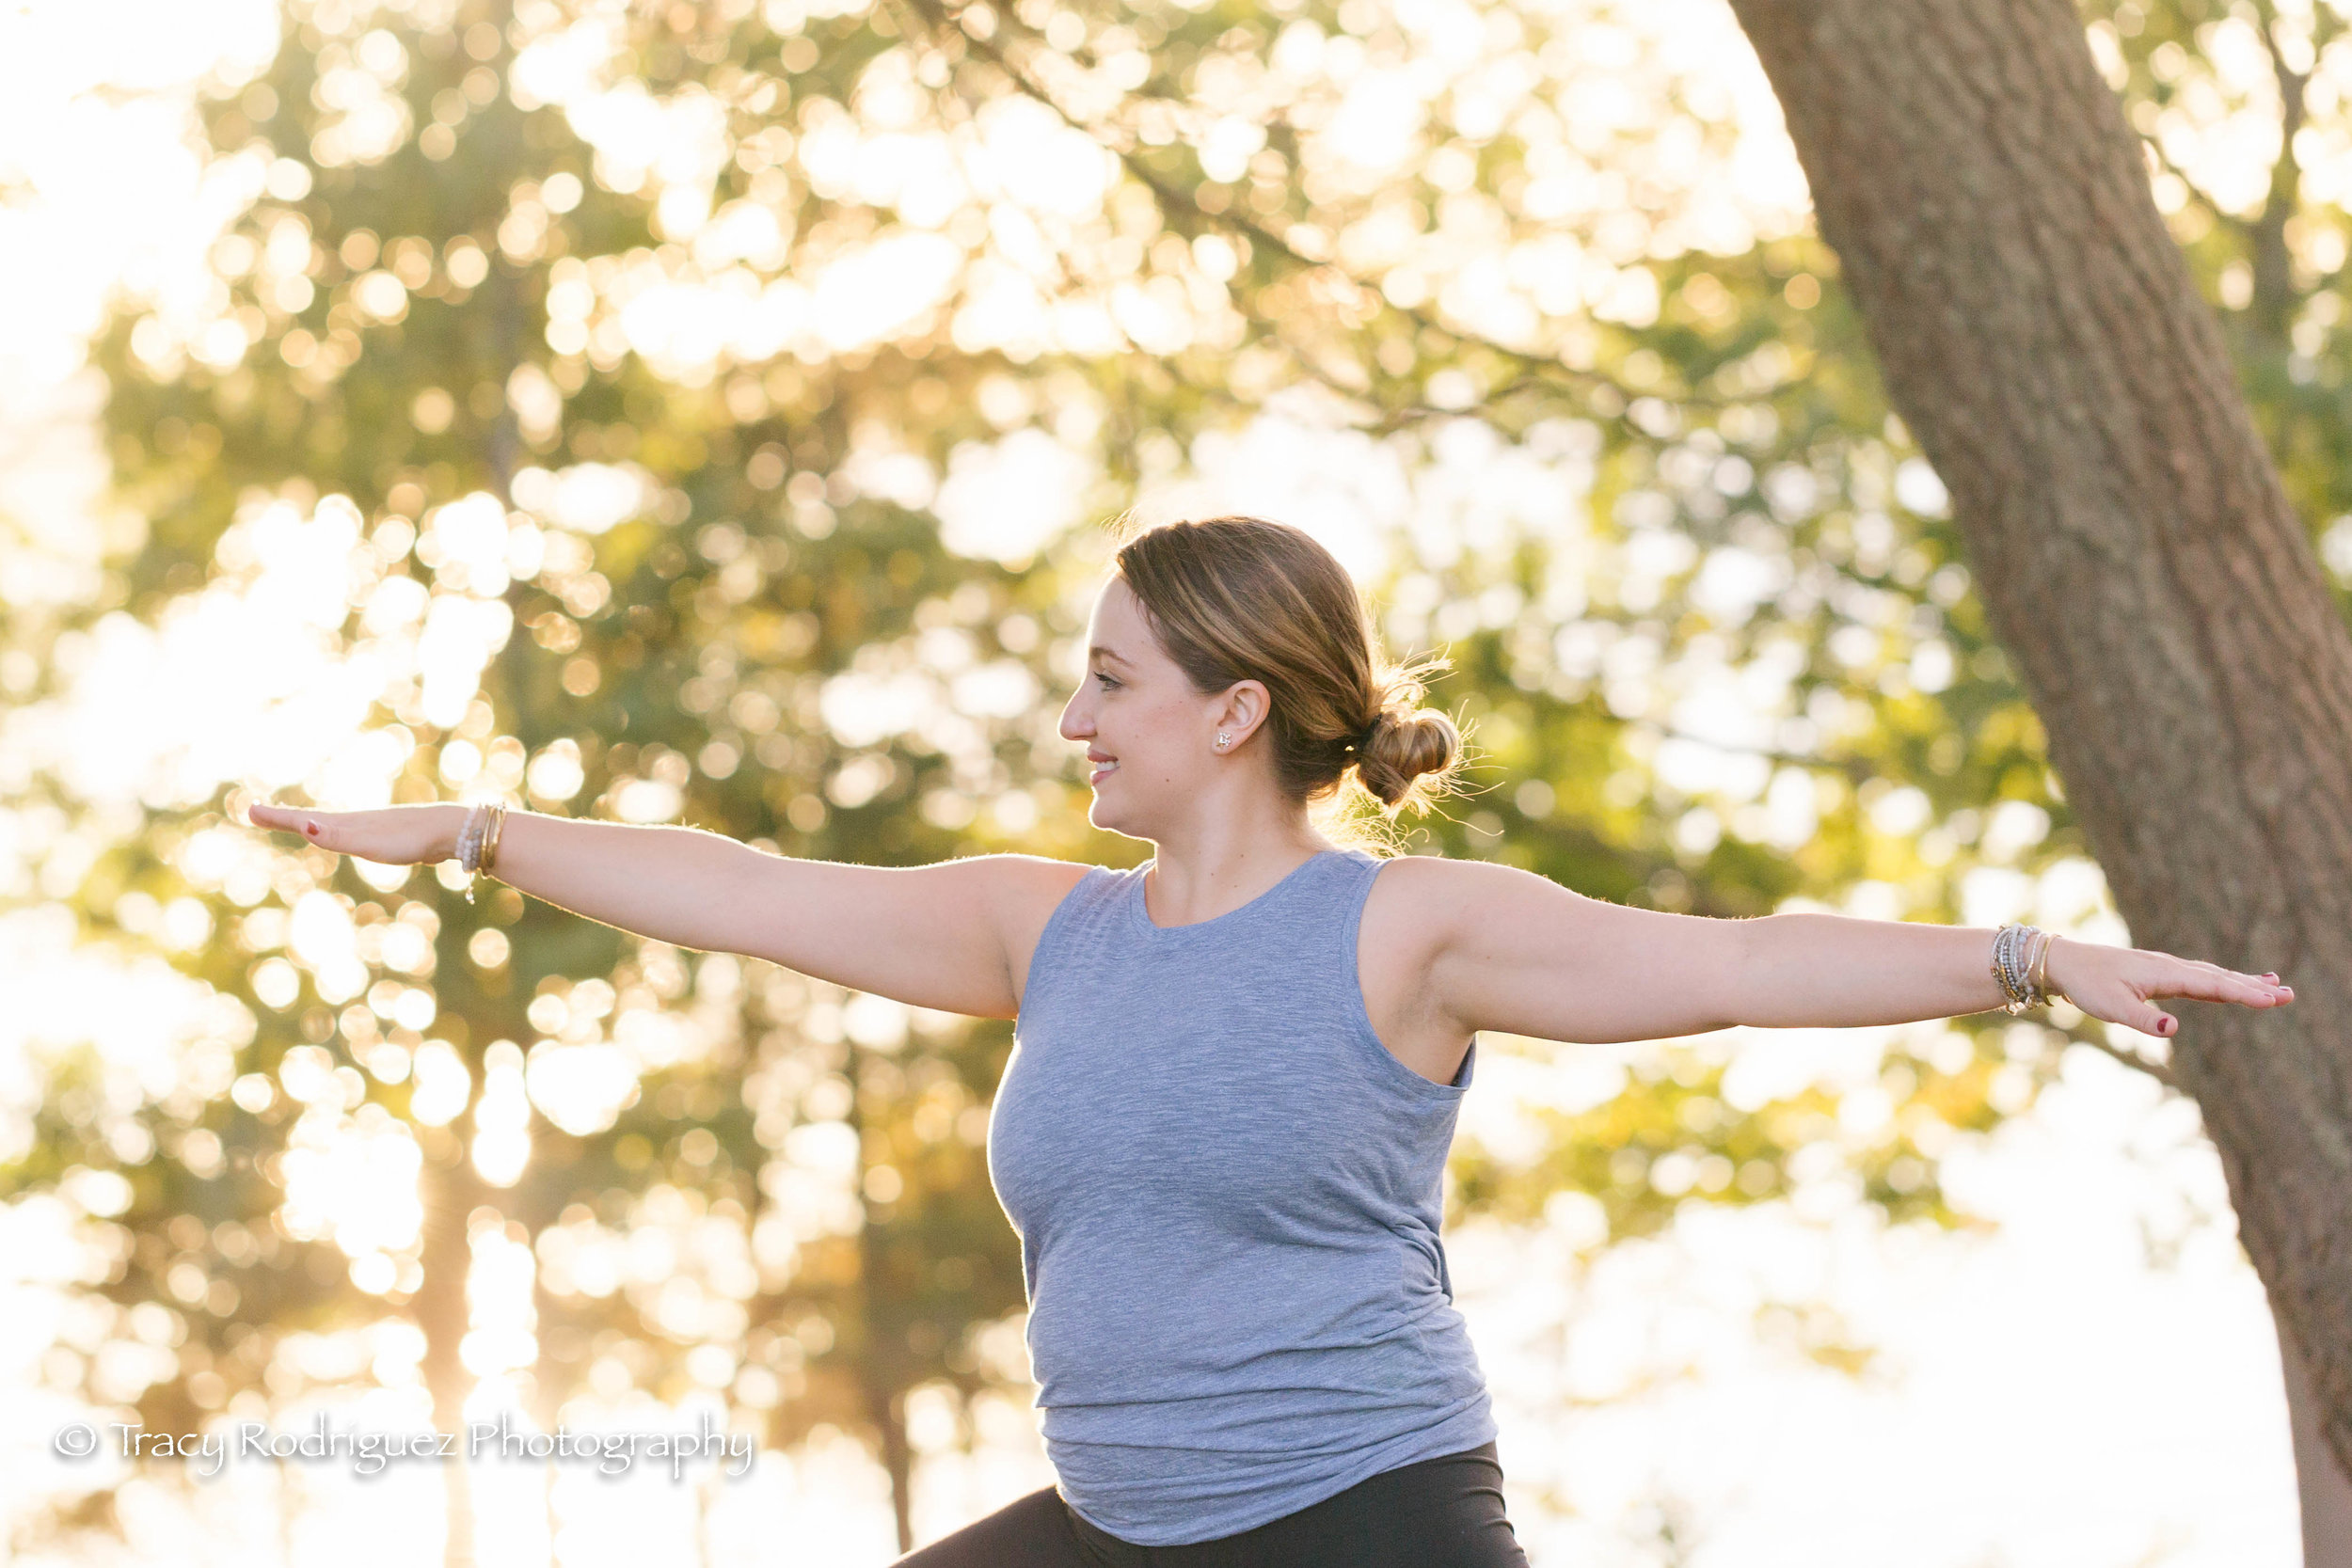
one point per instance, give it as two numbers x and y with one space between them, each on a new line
1221 739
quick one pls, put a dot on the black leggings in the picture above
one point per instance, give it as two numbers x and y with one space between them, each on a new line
1438 1514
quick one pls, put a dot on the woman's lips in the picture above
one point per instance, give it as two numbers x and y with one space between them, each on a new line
1102 770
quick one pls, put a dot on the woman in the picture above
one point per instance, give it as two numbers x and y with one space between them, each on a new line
1222 1130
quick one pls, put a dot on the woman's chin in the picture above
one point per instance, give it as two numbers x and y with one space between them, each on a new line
1108 815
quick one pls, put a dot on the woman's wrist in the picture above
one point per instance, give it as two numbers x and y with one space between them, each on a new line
450 821
2060 957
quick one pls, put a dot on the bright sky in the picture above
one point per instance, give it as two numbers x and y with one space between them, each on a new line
2044 1396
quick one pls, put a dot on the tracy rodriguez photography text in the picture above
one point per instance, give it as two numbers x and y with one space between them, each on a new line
369 1450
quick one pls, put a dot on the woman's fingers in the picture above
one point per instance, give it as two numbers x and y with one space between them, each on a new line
282 817
316 825
2213 983
2204 982
2208 984
2257 990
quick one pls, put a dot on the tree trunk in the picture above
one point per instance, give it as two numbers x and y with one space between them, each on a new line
450 1192
882 1341
2040 333
2326 1502
890 1419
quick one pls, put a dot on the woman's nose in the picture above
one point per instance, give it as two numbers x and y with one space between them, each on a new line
1076 723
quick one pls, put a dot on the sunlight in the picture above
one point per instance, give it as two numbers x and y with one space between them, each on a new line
353 1180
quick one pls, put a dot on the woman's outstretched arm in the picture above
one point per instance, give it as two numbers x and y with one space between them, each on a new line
955 936
1508 950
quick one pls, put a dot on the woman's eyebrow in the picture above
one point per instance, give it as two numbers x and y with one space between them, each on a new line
1098 651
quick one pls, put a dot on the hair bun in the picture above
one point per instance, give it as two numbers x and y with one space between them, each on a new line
1397 749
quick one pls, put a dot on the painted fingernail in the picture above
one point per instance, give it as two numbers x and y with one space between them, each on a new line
312 829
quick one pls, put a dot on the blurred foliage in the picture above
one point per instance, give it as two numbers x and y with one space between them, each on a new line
671 437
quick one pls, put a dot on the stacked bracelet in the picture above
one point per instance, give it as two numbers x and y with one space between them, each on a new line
478 841
2021 966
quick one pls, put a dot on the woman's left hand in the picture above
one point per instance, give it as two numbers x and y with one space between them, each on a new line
2119 983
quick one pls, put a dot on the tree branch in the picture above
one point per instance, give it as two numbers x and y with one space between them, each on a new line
2196 192
2273 261
2157 1070
1532 367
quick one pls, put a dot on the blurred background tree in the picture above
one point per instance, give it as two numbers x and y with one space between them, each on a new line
692 413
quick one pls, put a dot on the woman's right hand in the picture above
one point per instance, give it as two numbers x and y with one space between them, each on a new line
391 835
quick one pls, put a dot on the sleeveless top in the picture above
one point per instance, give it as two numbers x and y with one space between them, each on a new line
1227 1191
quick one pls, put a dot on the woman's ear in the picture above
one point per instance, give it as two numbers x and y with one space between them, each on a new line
1240 711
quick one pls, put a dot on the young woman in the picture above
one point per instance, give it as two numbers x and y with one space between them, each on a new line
1224 1124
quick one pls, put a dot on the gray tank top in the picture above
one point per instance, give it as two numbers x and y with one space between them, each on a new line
1228 1195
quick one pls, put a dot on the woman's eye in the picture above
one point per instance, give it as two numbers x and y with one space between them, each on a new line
1108 682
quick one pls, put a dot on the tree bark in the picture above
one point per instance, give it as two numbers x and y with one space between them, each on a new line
2040 333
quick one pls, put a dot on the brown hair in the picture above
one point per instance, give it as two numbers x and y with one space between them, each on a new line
1239 598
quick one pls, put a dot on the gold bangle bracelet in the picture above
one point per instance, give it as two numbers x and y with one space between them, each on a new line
490 838
2041 971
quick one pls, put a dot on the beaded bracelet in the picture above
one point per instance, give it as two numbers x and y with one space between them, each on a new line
2008 971
2021 966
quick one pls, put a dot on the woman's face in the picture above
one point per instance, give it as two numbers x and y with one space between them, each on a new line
1148 736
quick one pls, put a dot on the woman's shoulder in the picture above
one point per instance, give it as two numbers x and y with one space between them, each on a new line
1428 872
1026 889
1420 900
1033 876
